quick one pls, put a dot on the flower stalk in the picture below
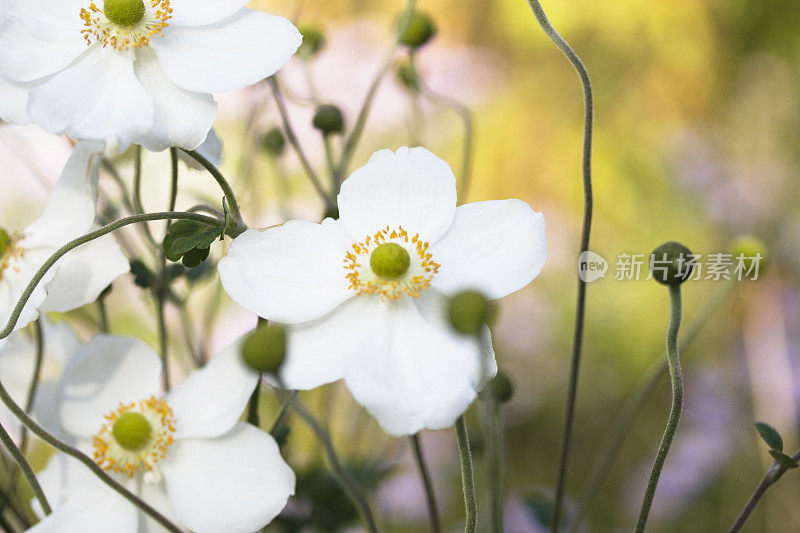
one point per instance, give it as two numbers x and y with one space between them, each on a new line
467 476
430 494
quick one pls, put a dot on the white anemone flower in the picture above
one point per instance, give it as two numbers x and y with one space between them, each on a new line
140 71
82 274
184 452
364 296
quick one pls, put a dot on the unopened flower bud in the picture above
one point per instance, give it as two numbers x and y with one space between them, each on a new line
329 119
469 311
417 31
671 263
407 74
265 348
751 251
313 41
274 142
501 387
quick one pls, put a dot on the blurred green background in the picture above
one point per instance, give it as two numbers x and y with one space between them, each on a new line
696 140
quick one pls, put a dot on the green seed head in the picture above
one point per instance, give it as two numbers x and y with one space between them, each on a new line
273 142
671 263
265 348
419 30
329 119
124 12
5 242
501 387
469 311
313 42
132 431
389 261
752 250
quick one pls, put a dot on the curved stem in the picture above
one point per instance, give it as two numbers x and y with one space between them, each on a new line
676 378
37 370
344 477
770 478
233 204
467 476
430 494
27 471
301 155
61 252
635 401
577 339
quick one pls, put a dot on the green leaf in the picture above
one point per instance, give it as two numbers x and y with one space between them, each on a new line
185 236
168 247
783 460
770 435
142 276
194 257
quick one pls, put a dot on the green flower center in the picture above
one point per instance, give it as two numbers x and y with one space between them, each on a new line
126 13
5 242
132 431
389 261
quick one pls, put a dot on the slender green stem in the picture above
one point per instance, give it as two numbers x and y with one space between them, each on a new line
342 475
676 378
430 494
770 478
496 462
105 230
326 140
137 194
27 471
283 413
633 405
102 315
577 339
301 155
233 204
112 171
252 405
467 476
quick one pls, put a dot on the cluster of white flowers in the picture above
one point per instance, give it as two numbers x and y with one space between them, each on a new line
363 297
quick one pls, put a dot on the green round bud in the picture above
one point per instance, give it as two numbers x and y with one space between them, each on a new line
329 119
274 142
126 13
501 387
418 31
671 263
5 242
313 41
265 348
751 250
389 261
469 311
407 75
132 431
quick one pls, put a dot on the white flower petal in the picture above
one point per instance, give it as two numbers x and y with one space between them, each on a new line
212 399
105 372
98 97
15 280
236 483
211 149
62 14
39 49
496 247
420 376
291 273
155 494
318 350
13 102
232 54
203 12
84 273
182 118
411 188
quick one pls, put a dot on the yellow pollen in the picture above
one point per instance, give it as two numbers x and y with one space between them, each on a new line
115 457
10 252
413 281
98 28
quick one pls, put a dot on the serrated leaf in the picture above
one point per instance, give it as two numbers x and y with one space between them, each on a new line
770 435
783 460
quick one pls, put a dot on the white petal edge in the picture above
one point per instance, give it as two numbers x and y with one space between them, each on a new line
496 247
411 188
201 13
212 399
40 49
291 273
420 376
182 118
97 97
232 54
13 103
105 372
236 483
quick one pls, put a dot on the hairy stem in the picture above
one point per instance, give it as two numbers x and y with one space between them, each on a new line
467 476
676 378
430 494
230 197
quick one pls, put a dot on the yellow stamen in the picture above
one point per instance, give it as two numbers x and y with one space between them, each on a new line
100 29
